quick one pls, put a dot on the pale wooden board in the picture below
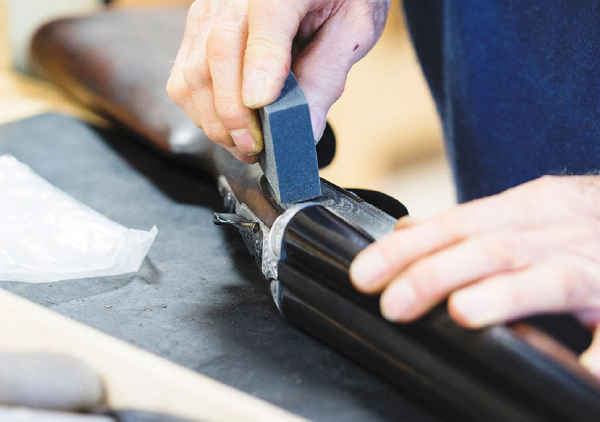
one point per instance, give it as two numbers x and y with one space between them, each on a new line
134 378
4 46
22 96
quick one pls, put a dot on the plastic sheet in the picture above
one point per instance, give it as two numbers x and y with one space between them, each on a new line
46 235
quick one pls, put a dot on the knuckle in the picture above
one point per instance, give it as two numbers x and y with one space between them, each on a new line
196 8
230 110
269 45
501 252
221 39
196 77
427 279
327 85
367 26
177 89
201 10
217 133
268 10
445 229
392 252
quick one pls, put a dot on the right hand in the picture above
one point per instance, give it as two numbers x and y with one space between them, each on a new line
236 55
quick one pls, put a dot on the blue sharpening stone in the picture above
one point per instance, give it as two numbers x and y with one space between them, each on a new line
289 159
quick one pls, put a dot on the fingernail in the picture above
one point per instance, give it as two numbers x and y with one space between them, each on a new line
318 122
244 142
253 88
367 268
475 308
397 300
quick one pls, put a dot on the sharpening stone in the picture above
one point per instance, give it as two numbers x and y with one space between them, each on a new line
289 159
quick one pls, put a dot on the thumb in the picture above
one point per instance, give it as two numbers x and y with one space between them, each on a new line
591 357
272 26
323 65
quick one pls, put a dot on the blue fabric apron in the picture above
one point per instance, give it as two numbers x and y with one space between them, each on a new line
516 84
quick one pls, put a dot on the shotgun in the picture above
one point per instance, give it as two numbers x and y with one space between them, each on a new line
117 62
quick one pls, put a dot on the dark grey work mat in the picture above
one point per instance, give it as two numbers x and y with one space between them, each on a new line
198 299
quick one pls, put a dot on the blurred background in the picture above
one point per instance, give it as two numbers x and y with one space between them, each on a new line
388 133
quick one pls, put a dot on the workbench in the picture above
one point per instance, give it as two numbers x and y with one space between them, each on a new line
198 300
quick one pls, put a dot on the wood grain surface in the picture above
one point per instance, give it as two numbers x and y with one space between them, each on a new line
134 379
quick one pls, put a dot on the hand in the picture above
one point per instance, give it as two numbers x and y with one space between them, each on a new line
236 55
532 249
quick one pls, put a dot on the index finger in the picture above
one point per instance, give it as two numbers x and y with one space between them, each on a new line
374 267
272 27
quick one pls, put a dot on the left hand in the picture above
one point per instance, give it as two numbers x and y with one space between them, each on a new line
532 249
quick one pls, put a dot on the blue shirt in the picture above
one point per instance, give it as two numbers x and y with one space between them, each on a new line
516 84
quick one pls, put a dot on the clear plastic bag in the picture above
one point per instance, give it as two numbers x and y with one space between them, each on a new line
46 235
